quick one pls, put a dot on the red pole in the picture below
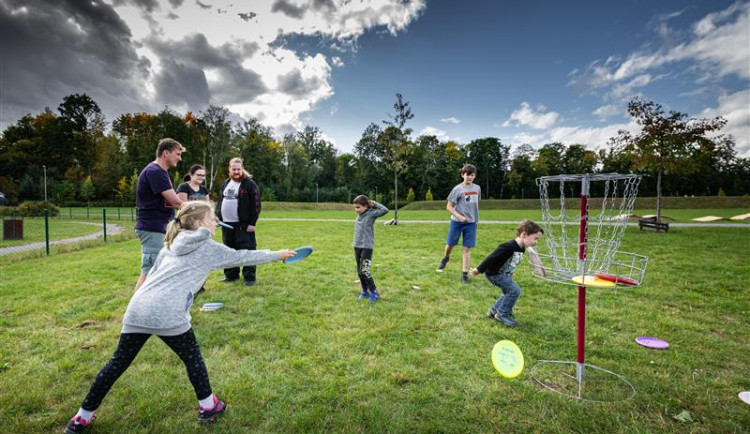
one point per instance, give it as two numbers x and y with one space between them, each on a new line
582 240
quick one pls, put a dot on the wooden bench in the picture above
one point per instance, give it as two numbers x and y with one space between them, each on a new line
652 223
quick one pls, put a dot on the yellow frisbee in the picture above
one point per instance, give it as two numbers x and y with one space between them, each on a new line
593 281
507 359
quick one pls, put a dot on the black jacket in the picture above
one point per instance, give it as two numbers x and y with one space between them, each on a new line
248 203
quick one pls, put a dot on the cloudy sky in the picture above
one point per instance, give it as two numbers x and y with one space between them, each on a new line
525 71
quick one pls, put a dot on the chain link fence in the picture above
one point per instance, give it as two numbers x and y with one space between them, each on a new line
72 229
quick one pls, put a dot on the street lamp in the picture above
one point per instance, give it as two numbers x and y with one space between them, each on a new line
45 182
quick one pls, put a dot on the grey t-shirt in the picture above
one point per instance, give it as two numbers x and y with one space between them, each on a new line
364 236
466 200
229 204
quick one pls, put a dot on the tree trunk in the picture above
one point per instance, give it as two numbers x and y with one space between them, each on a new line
658 194
395 198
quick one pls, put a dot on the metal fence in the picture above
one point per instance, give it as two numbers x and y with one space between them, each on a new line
72 229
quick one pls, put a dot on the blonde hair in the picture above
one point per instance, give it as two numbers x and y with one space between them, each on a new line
188 216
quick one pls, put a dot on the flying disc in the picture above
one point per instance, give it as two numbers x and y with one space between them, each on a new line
745 397
616 279
302 253
651 342
211 306
507 359
593 281
224 225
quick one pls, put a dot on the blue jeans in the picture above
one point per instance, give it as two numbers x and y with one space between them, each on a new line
511 292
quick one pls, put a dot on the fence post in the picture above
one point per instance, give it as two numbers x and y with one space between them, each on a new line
104 223
87 213
131 214
118 213
46 230
71 212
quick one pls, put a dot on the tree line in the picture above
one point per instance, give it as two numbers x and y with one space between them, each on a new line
84 160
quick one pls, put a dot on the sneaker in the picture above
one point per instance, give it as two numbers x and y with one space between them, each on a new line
374 295
363 295
465 277
443 263
507 320
492 313
78 424
210 415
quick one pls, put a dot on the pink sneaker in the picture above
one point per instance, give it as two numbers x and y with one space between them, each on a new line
77 424
209 415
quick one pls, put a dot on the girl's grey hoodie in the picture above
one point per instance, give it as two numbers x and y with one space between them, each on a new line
162 305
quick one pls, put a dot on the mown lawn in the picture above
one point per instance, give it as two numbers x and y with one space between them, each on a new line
299 353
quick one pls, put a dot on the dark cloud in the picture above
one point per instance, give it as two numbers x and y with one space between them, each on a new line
202 5
293 84
51 48
288 9
235 85
247 16
177 83
176 3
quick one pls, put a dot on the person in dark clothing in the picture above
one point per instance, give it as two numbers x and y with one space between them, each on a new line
499 269
239 206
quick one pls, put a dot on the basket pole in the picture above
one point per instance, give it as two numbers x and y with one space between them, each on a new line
582 242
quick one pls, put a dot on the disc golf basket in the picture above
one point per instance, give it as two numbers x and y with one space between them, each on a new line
580 247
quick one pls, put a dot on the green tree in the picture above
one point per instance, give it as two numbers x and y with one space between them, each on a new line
123 191
219 129
395 140
410 196
428 195
666 141
82 124
492 159
87 190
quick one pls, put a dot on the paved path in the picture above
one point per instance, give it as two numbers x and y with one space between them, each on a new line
511 222
112 229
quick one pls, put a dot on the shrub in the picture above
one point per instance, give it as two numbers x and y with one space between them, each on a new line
36 209
428 195
410 196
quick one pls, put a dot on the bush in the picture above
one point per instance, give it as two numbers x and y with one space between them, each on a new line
428 195
36 209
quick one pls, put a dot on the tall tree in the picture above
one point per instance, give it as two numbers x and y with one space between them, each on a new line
82 124
491 158
219 129
666 142
396 141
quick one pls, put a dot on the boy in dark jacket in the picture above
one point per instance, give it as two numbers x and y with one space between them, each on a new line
499 267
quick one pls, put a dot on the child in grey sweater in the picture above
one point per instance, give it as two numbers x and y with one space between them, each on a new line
161 307
364 241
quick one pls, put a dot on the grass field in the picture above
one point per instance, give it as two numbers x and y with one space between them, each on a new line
299 353
33 230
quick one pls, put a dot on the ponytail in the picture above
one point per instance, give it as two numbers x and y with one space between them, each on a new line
187 218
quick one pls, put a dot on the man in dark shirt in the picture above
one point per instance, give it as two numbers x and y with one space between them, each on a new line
156 199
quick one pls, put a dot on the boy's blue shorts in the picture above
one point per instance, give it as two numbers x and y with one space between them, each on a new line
467 231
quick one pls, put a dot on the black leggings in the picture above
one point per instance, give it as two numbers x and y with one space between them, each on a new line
364 260
184 345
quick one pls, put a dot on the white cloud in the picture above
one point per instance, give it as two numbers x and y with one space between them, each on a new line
450 120
734 108
432 131
525 115
609 110
717 47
